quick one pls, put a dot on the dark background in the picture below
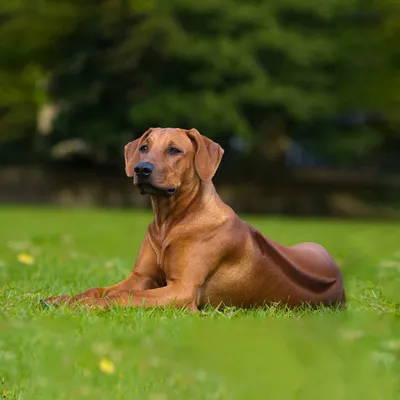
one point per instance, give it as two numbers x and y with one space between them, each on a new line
303 96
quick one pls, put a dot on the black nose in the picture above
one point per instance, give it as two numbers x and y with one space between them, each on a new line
143 169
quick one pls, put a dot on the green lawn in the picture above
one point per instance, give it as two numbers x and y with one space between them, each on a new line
154 354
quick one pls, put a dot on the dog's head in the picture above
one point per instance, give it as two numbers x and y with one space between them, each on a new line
165 161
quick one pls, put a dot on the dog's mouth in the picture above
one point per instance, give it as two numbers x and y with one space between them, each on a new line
148 188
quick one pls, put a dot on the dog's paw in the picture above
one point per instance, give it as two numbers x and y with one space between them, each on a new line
55 300
88 302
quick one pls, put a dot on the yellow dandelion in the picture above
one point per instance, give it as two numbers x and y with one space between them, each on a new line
106 366
25 258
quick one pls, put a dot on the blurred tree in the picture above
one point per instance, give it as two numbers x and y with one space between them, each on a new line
112 68
367 85
369 60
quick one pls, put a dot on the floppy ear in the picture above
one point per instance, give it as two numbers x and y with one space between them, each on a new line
208 155
131 152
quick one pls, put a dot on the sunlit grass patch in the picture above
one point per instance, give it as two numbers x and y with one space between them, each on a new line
270 352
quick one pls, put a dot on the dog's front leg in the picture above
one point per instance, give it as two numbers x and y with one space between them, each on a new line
134 282
143 277
94 293
175 294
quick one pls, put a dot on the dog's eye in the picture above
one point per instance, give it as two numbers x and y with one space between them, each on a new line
143 148
174 150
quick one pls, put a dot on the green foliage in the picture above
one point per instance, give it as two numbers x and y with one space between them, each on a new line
369 65
226 67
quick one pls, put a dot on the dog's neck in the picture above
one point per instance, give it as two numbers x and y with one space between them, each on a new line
170 210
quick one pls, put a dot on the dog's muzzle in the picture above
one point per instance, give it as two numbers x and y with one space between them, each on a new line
143 170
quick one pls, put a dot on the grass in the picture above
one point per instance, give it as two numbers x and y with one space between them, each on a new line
168 354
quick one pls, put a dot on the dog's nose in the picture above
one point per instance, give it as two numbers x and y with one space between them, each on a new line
143 169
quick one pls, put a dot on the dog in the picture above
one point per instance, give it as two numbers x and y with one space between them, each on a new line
197 251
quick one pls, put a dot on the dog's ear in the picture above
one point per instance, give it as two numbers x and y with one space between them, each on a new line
208 155
131 152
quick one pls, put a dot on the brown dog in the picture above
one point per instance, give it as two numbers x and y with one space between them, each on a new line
197 251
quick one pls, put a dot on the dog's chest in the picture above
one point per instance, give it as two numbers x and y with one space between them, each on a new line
159 245
161 272
171 254
170 261
161 250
